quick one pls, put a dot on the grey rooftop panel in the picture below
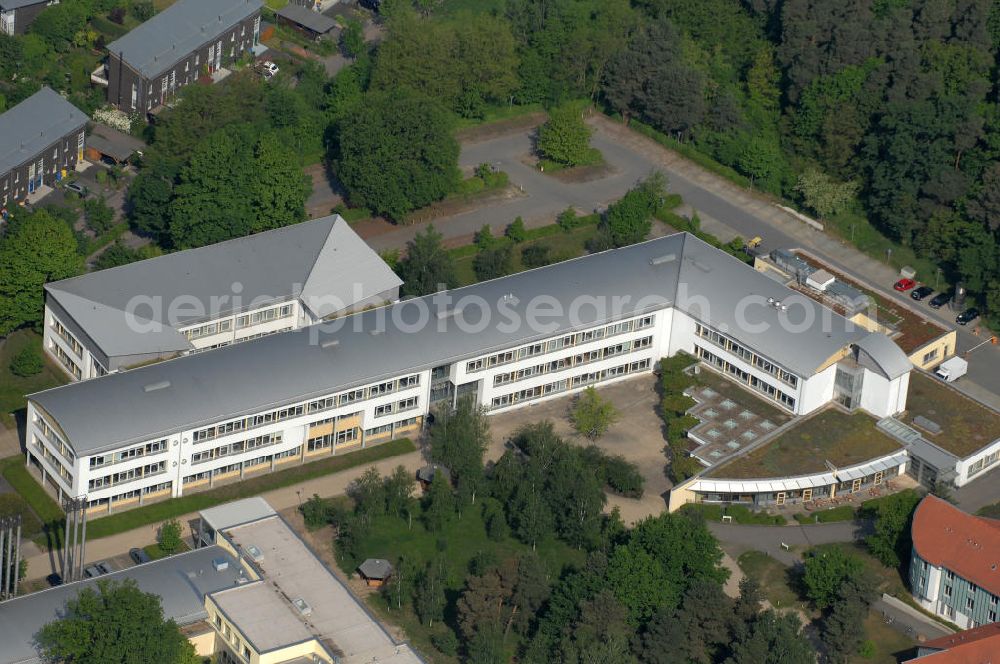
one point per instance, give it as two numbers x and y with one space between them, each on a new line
307 18
253 376
35 124
179 29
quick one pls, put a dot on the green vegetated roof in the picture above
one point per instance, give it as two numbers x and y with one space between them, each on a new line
831 435
966 425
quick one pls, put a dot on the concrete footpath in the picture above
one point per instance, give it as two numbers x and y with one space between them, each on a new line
42 564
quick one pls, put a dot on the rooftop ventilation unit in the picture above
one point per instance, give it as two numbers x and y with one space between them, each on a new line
255 554
660 260
220 564
153 387
301 606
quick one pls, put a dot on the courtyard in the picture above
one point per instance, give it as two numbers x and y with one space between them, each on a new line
637 436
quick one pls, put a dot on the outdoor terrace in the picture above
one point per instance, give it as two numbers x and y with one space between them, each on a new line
843 439
965 424
731 417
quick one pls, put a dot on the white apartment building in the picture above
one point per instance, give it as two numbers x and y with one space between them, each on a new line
187 423
213 296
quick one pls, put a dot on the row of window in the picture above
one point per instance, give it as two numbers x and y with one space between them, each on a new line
67 361
128 475
722 341
235 467
132 493
231 635
981 464
540 391
339 438
362 393
209 329
54 461
746 378
263 316
55 440
102 460
579 359
398 407
553 345
237 447
65 335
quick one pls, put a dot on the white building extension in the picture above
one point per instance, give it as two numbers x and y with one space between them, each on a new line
362 379
214 296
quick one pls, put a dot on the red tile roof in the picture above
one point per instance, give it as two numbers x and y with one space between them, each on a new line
968 545
973 646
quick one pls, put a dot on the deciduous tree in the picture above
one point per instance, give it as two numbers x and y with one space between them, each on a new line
592 415
427 267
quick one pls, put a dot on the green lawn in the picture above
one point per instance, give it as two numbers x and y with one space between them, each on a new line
155 552
390 538
774 578
740 514
890 645
966 425
157 512
842 513
13 388
12 504
560 244
832 435
48 516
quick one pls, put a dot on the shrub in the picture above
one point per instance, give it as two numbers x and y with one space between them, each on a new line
117 15
516 232
568 219
623 477
27 362
142 10
100 217
536 255
446 642
494 261
170 536
315 512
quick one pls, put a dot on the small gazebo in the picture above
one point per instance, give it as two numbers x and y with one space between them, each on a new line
375 571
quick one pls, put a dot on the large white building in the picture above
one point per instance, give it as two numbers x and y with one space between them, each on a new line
165 429
213 296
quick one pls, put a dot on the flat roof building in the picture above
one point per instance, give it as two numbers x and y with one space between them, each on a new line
181 582
366 378
294 605
185 41
307 21
212 296
41 139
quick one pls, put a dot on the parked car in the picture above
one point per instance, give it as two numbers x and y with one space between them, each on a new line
967 316
77 188
921 293
904 285
268 68
99 569
939 300
139 556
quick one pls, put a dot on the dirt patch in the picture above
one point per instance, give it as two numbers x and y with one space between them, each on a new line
580 174
491 130
452 206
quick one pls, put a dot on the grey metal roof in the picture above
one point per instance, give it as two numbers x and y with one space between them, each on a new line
181 582
113 143
35 124
313 20
237 513
179 29
283 368
322 261
375 568
886 354
18 4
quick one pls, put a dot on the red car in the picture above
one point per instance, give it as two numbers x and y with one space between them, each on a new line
904 285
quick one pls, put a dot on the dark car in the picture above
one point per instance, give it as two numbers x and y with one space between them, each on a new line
139 556
921 293
967 316
939 300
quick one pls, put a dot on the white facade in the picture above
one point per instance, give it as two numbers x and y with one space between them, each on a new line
971 467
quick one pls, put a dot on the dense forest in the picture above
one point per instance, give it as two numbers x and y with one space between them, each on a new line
873 114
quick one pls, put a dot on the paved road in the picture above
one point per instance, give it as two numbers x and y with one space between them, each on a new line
725 209
769 539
